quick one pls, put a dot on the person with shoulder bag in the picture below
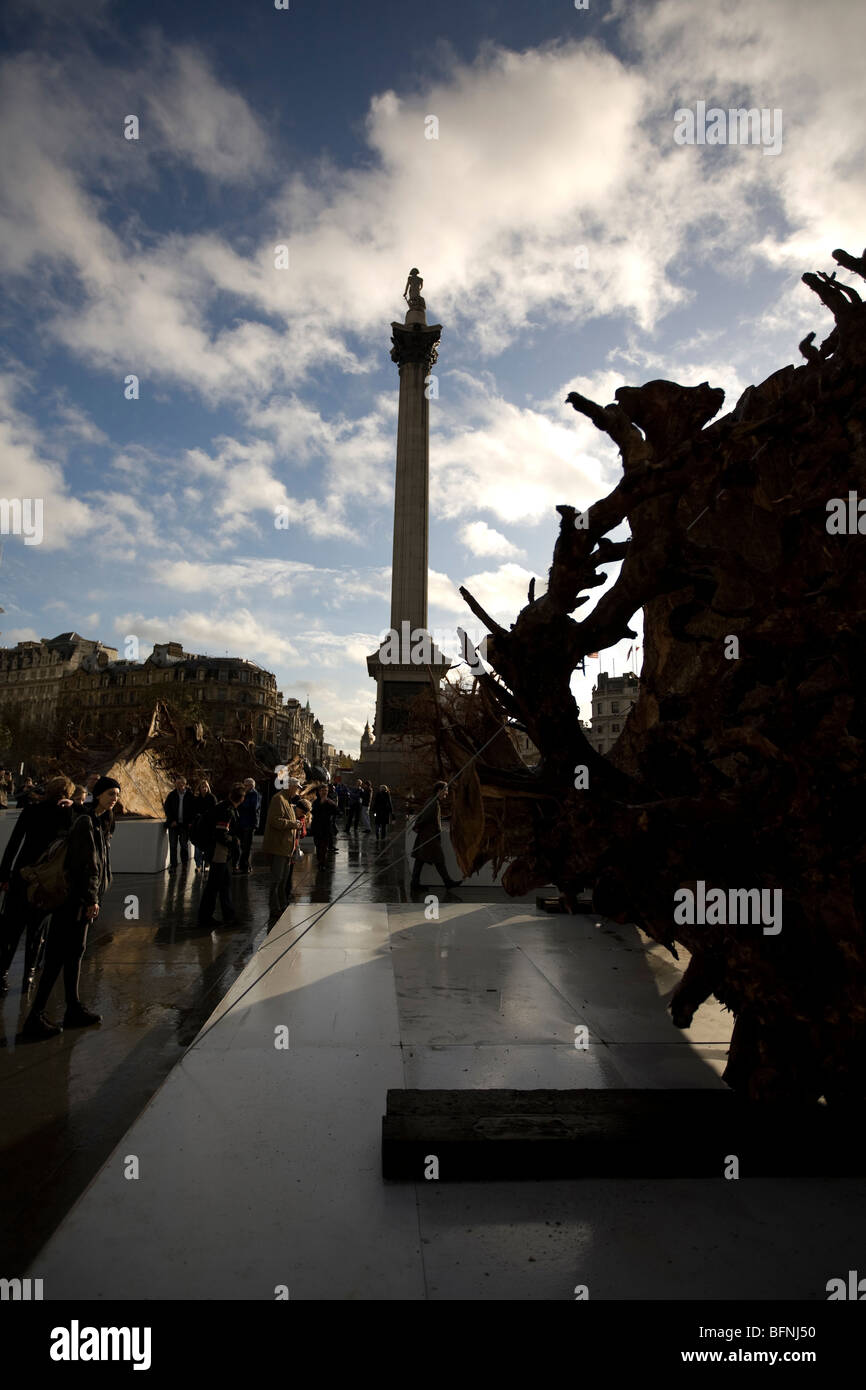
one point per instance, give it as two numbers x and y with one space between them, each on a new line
38 826
87 868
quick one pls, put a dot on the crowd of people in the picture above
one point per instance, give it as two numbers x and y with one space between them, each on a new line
63 836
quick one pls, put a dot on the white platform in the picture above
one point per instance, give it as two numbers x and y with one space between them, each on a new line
260 1167
137 846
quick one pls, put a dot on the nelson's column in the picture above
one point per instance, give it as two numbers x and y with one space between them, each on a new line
399 682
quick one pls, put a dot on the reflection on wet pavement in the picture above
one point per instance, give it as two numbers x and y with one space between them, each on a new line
155 977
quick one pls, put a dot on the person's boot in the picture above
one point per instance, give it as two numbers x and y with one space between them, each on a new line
77 1016
37 1027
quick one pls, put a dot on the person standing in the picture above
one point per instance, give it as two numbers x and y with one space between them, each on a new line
39 824
366 796
225 833
178 813
428 840
248 819
203 805
383 811
280 841
332 797
26 793
354 812
323 816
78 796
88 874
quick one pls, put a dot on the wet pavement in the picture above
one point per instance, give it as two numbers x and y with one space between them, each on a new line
155 978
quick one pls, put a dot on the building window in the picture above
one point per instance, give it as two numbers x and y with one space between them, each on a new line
614 708
615 728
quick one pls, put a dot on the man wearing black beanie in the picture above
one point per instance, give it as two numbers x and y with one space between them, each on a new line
88 874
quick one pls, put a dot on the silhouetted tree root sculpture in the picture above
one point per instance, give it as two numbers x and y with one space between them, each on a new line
738 771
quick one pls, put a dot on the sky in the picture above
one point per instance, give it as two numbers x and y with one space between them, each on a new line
567 241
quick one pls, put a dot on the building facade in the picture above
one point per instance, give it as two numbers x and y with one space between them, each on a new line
299 733
525 747
32 674
83 685
612 698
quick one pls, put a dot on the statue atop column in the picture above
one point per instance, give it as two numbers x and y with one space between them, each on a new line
412 292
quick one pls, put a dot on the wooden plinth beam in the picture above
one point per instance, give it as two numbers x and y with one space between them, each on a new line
507 1134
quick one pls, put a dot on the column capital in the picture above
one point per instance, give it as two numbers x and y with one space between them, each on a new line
415 343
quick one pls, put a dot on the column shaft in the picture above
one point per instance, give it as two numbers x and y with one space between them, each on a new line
411 504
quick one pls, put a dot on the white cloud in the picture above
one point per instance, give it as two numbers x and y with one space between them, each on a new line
501 592
280 578
26 472
802 58
235 630
203 122
516 462
481 539
538 152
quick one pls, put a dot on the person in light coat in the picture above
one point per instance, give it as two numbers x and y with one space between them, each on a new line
280 841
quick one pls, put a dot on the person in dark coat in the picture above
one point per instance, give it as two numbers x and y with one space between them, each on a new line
353 815
382 811
332 796
39 824
226 832
27 793
428 840
88 874
178 807
366 798
323 816
204 804
248 819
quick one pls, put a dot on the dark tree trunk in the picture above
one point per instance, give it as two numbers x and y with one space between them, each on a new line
743 763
